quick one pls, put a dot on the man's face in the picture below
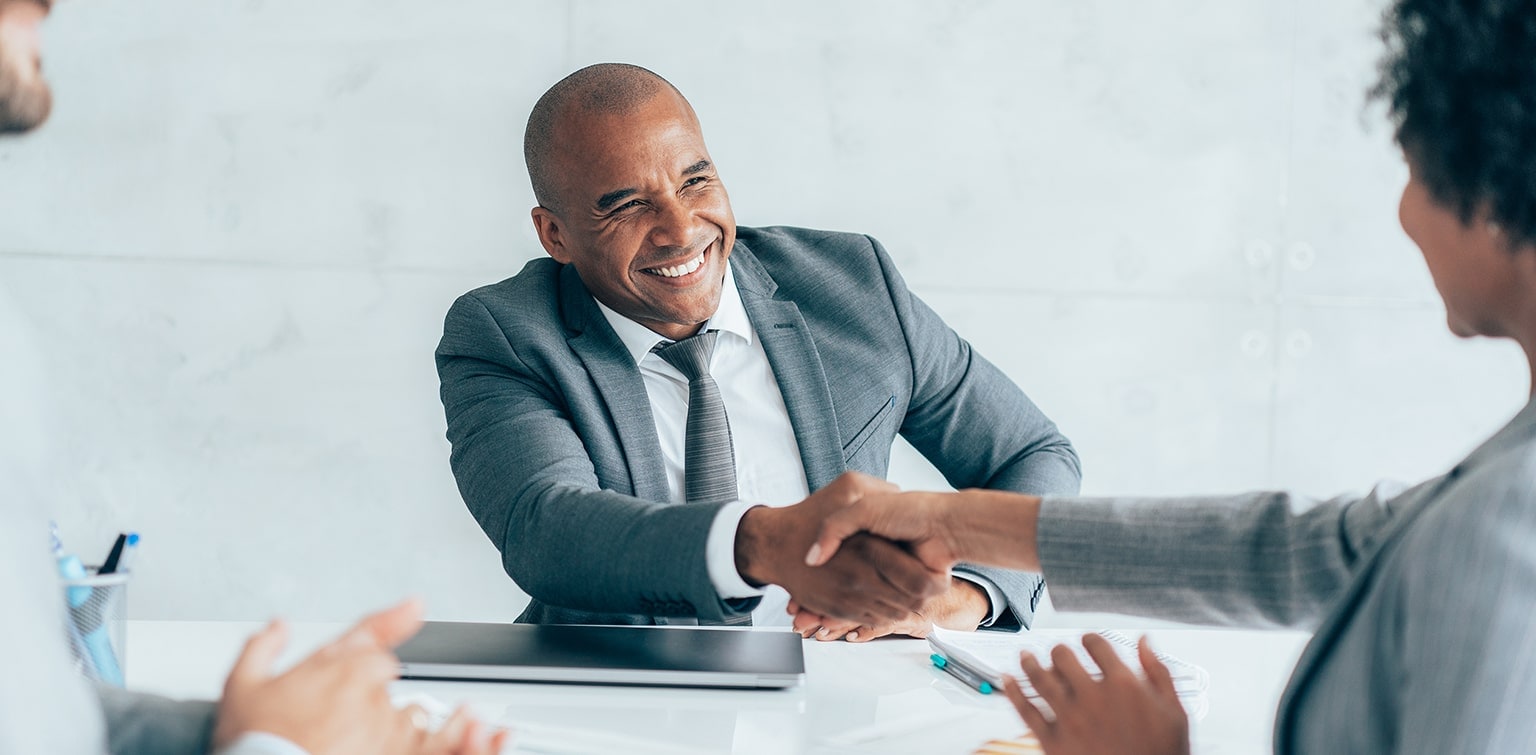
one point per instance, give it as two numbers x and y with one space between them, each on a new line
643 216
24 96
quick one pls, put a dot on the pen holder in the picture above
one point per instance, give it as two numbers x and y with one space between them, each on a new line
95 624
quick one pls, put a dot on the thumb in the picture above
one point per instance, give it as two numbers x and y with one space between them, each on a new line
258 655
1157 673
841 525
390 627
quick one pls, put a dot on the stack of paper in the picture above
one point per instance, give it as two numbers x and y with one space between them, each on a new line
993 654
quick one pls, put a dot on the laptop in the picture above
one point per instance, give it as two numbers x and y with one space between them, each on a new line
624 655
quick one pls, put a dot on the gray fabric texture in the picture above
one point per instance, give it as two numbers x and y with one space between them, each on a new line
1423 602
140 724
709 461
555 449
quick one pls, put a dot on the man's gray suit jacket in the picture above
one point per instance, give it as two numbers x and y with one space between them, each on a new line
1423 602
556 454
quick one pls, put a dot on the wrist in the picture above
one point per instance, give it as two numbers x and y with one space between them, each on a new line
996 528
968 606
753 539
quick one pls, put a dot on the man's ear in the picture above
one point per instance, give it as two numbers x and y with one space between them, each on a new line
551 235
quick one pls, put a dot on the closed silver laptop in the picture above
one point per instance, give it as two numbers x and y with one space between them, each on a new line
628 655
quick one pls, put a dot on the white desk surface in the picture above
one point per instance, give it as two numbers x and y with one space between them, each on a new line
880 697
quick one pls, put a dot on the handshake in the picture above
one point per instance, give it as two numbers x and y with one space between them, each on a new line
860 559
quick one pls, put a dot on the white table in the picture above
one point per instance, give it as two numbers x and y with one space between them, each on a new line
881 697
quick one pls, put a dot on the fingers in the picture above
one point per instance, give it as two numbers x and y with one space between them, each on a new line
1157 673
1069 670
497 743
258 655
872 581
463 734
806 623
408 730
1103 654
1047 685
452 736
912 581
833 629
836 528
390 627
1033 718
865 633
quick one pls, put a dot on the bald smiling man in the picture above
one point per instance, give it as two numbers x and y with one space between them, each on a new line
628 480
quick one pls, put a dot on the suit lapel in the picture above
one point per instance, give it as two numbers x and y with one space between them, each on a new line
1338 619
796 367
619 385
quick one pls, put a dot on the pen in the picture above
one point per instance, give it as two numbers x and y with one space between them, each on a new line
109 564
971 678
121 555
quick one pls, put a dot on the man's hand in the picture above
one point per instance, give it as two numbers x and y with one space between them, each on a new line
963 606
869 581
979 526
336 701
1120 713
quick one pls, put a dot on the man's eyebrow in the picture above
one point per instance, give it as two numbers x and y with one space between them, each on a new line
698 167
607 201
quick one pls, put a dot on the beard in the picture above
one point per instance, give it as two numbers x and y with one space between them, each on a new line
25 99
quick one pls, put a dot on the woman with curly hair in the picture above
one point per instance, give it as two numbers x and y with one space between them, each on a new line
1423 601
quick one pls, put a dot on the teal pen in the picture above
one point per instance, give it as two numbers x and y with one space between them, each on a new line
971 678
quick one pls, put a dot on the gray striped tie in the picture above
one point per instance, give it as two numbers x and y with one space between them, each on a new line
709 459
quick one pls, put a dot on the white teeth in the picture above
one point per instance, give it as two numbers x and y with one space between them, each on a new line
678 271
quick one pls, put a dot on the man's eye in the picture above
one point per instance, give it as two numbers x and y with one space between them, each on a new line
630 205
696 180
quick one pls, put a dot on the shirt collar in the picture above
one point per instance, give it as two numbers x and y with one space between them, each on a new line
730 317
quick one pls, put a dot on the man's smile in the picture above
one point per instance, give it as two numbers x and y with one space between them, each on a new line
679 270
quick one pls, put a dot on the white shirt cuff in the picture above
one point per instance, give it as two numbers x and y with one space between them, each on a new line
720 553
997 601
262 743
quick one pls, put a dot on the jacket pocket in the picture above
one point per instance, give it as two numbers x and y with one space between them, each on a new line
862 436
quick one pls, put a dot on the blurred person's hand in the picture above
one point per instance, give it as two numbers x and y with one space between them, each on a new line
463 734
336 701
1119 713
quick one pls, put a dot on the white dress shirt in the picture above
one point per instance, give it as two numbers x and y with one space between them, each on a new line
768 467
769 471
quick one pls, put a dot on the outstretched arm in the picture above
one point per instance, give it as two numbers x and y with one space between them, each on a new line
1262 559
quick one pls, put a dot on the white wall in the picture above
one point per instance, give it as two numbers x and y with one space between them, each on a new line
233 246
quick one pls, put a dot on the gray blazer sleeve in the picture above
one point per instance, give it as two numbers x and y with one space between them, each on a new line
529 481
979 429
140 724
1261 559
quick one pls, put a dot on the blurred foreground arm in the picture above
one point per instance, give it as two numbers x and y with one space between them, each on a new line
335 702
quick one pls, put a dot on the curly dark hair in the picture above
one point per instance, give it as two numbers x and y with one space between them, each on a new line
1459 80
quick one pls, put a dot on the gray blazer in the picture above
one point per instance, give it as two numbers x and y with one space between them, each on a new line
140 723
1423 602
556 453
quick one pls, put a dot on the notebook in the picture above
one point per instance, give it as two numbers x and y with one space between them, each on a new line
993 654
631 655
